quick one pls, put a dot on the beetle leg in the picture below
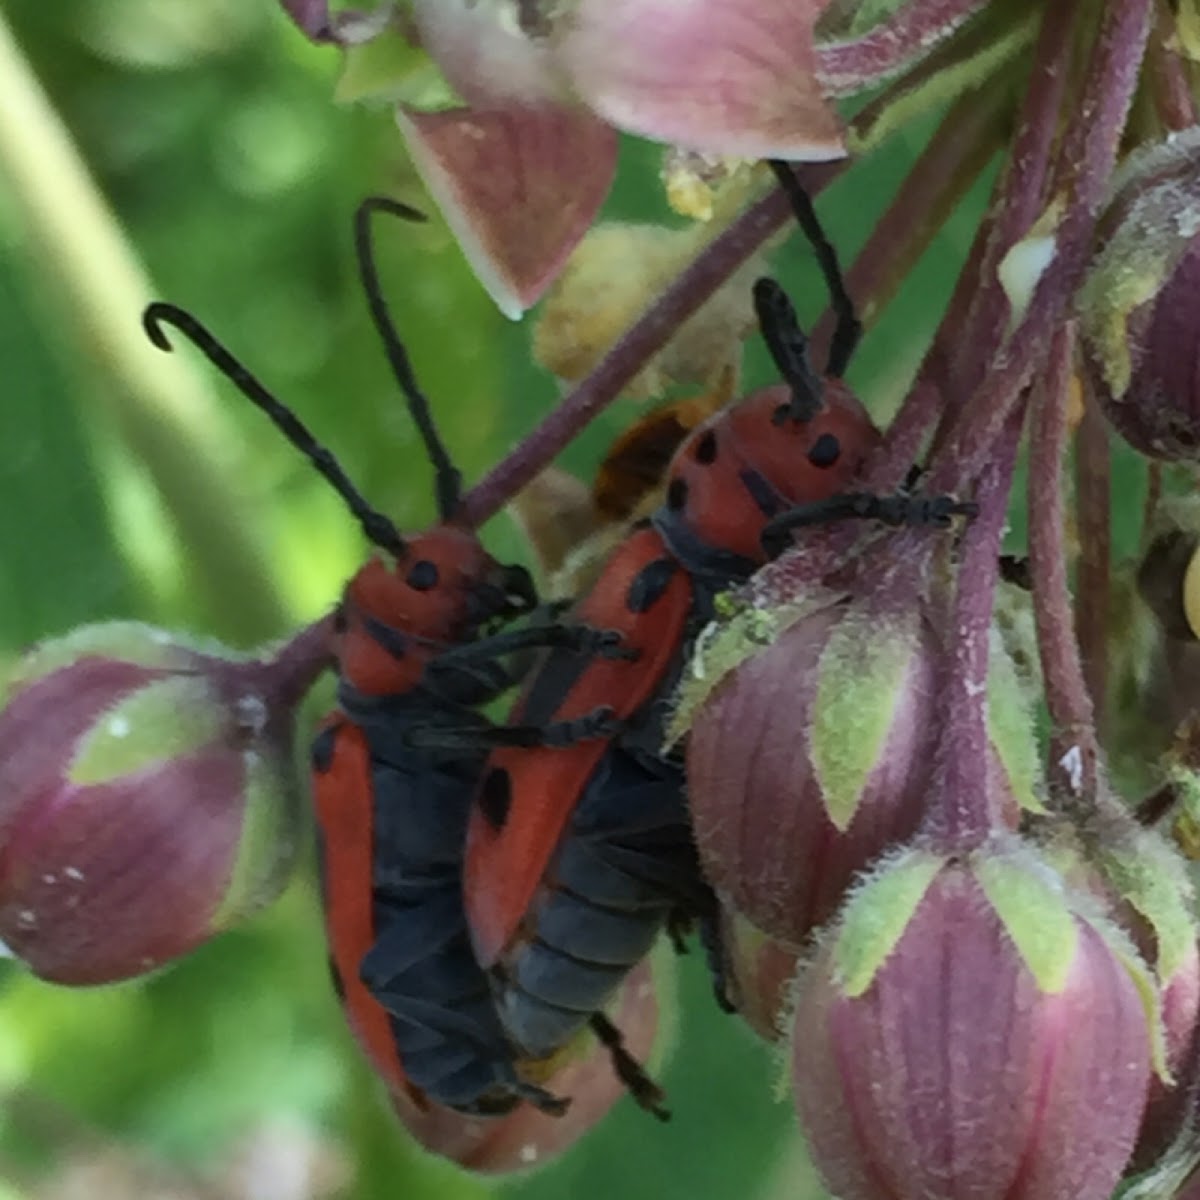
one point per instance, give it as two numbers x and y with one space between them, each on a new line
629 1071
897 509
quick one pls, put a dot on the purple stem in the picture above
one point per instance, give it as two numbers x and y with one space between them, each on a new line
1093 504
287 675
891 46
1088 155
1067 695
1022 191
964 813
934 186
1169 83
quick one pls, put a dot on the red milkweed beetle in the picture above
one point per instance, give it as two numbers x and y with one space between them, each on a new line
577 857
395 768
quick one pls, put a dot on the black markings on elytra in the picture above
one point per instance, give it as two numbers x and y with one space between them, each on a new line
677 494
649 585
706 448
322 750
422 576
340 620
825 451
761 492
385 637
495 797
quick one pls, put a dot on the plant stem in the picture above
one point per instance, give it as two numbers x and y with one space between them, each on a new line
165 418
1022 192
1173 99
1074 749
963 144
1087 158
963 815
1093 509
892 45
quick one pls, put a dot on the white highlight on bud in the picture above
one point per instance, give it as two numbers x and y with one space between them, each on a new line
1021 269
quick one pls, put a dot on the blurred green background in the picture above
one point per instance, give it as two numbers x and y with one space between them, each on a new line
209 129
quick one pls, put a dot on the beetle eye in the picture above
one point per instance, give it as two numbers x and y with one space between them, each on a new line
422 576
825 451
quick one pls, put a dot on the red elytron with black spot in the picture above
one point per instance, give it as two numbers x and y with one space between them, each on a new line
577 858
396 767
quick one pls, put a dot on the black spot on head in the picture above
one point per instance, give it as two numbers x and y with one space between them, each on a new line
649 584
825 451
706 448
422 576
322 750
495 797
385 637
340 620
677 494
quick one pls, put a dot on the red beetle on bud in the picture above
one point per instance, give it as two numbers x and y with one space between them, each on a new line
148 796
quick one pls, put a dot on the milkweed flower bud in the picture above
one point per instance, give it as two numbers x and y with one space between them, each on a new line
148 796
761 971
1138 303
526 1138
812 732
1151 896
971 1028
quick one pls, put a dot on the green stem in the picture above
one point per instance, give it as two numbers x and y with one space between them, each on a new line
155 404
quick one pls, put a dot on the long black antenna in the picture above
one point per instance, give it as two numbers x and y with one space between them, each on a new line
788 345
375 525
849 327
448 478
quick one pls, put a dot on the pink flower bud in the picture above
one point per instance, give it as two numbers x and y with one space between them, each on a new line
1170 1101
970 1030
810 753
761 971
1138 304
783 814
527 1138
148 796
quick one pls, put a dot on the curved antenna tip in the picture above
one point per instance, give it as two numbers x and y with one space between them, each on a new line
153 319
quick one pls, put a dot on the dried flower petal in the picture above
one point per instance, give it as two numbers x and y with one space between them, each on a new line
518 186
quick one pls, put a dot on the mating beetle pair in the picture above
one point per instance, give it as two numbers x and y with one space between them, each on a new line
488 887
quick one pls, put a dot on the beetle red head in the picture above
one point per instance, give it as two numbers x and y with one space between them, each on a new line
756 460
439 593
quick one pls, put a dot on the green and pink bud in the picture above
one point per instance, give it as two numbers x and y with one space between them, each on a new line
148 796
1138 304
972 1028
812 736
